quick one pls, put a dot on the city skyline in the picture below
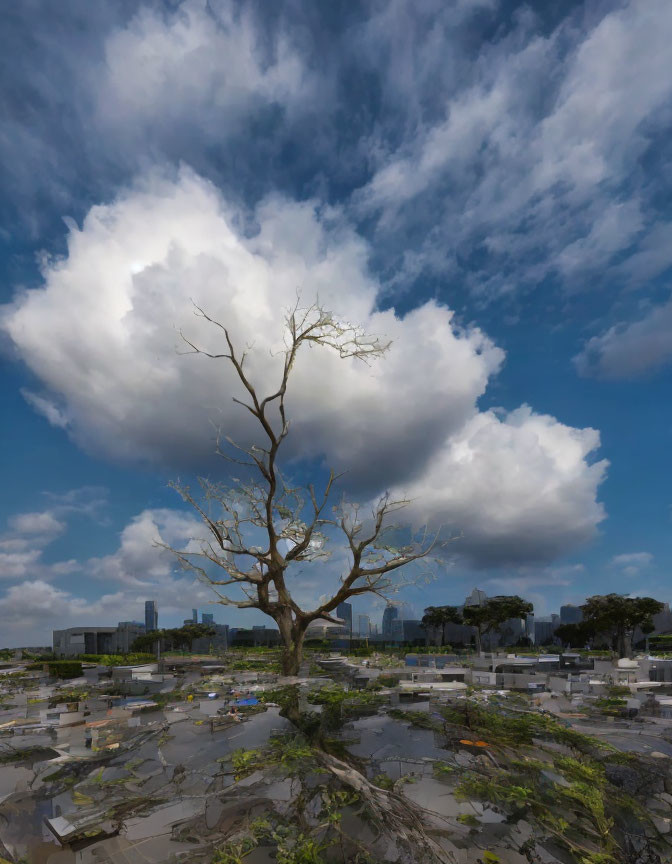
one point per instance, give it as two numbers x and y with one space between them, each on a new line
392 623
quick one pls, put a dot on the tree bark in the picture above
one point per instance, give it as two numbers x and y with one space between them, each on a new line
621 646
478 641
292 634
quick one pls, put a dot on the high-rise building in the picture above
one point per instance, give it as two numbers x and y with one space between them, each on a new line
194 616
390 614
207 618
396 630
413 631
151 616
570 614
544 630
363 625
344 612
476 598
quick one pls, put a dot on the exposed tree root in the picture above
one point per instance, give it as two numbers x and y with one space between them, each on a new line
399 817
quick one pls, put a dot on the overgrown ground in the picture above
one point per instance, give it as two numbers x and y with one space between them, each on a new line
319 773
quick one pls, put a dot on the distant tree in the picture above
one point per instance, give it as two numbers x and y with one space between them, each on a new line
493 613
620 616
174 638
576 635
436 617
261 530
186 635
147 642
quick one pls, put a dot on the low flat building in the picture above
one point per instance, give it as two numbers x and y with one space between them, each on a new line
75 641
84 640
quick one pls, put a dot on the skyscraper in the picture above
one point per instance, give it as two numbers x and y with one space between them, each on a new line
344 612
363 625
396 630
151 616
207 618
389 615
194 616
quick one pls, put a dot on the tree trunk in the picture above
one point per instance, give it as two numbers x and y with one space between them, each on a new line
478 641
621 646
292 635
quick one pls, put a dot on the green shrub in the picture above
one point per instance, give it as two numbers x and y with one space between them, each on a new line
118 659
65 668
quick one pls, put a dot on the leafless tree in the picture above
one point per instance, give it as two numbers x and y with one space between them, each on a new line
264 505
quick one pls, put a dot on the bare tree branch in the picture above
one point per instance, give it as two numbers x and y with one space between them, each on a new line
267 507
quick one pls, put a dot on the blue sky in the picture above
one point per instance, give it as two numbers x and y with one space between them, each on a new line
487 183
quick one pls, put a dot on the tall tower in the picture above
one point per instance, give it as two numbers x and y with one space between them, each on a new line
151 616
194 616
363 625
344 611
390 614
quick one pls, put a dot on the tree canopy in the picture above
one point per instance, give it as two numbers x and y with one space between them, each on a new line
175 638
436 617
576 634
620 616
493 613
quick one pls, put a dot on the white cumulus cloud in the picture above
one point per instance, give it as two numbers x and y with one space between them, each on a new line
519 486
100 336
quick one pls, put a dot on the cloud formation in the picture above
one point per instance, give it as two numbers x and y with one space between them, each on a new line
631 564
100 337
22 545
137 570
519 486
630 349
585 101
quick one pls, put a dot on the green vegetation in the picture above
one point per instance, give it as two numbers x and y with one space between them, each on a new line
64 668
468 819
291 752
11 756
419 719
583 797
493 613
294 843
436 618
261 665
514 729
443 770
620 616
388 680
611 706
568 797
340 705
176 638
118 659
74 694
292 846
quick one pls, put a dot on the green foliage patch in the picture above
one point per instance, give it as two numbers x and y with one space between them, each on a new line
65 668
